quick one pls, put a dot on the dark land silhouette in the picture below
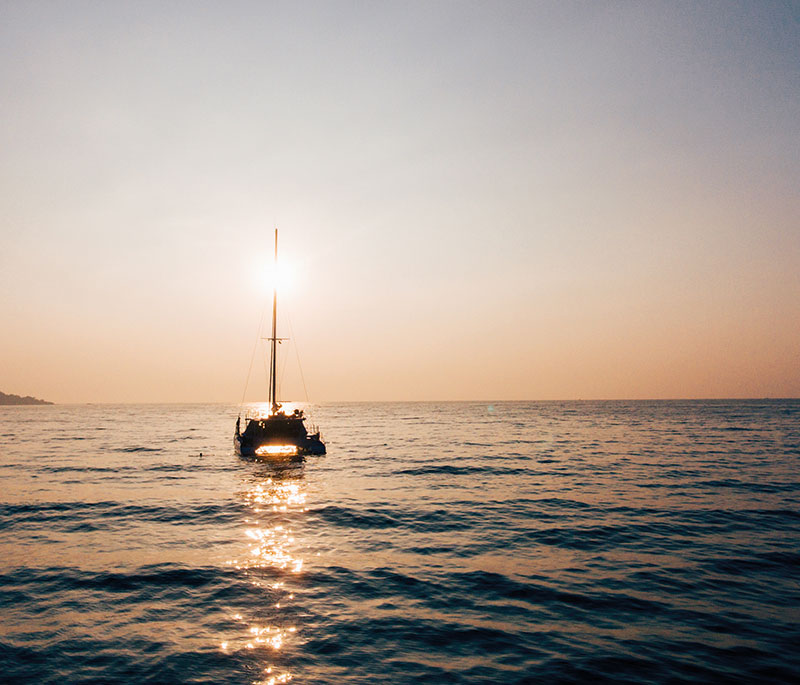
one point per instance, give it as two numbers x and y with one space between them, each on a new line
16 399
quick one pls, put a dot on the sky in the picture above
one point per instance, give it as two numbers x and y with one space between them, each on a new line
476 200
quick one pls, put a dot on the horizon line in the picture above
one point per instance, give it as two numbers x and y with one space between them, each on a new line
467 401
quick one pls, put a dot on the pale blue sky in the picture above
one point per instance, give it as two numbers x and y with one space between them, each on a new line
482 200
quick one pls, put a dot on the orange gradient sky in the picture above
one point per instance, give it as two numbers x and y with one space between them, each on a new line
479 200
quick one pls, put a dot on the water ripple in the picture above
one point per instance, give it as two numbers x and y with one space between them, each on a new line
619 542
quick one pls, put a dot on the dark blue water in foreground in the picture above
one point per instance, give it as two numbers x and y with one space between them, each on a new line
625 542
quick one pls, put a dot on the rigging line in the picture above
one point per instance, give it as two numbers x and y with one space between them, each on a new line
297 352
252 357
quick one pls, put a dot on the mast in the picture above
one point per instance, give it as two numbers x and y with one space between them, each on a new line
273 396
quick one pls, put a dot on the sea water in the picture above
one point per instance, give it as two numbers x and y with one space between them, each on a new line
625 542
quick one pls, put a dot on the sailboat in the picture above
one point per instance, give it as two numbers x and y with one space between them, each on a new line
277 434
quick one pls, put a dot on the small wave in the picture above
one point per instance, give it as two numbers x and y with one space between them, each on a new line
138 449
103 514
451 470
445 468
782 563
87 469
170 577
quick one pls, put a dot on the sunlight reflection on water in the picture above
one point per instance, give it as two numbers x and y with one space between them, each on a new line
273 556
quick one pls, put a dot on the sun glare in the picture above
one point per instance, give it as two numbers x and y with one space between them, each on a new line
277 450
282 277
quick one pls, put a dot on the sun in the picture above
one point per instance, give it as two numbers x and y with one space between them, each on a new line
281 278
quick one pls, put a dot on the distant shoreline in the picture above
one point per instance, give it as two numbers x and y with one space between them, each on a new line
15 400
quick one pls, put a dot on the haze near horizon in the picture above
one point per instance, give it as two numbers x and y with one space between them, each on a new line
478 201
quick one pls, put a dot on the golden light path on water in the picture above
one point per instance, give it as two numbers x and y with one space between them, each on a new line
271 547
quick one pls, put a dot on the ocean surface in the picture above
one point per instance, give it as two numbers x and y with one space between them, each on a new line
551 542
